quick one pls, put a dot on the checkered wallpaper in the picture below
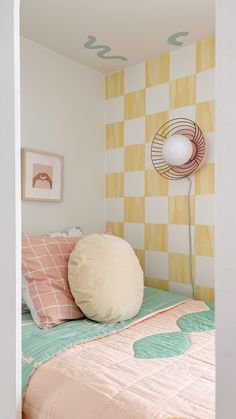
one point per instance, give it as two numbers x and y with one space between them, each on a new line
147 210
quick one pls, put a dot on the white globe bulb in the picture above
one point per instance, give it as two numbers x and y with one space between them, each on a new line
177 150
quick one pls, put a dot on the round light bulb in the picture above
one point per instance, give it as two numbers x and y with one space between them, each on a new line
177 150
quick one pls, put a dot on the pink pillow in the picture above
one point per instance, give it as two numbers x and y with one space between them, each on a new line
45 268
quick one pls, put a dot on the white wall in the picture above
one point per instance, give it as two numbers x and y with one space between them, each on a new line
10 343
225 210
62 112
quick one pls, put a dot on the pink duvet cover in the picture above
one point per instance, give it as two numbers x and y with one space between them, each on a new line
103 380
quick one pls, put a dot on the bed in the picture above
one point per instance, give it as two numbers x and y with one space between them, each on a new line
159 365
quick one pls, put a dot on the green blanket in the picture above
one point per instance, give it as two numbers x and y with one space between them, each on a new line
39 345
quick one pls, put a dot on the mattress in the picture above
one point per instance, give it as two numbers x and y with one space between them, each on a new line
161 367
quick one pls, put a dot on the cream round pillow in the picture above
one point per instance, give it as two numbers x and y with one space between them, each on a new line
106 279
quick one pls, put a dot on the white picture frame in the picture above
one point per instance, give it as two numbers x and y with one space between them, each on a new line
42 175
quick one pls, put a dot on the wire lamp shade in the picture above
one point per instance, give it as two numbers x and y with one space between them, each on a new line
178 126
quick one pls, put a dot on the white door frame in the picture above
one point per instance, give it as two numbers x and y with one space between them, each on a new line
225 244
10 211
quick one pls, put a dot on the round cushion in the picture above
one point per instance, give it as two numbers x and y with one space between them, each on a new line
106 278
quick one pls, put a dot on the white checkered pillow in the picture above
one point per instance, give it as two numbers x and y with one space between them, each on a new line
71 232
45 269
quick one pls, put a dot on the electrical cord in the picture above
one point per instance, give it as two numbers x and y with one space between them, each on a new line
190 237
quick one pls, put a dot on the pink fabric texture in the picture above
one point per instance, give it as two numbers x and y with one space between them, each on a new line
45 267
103 379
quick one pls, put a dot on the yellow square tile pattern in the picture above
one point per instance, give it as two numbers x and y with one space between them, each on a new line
116 228
135 104
178 209
205 117
183 92
205 180
115 135
153 122
157 70
204 240
179 268
162 284
205 54
157 239
114 85
114 185
204 293
140 253
155 185
134 210
134 157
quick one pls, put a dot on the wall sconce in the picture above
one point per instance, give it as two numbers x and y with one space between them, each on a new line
178 149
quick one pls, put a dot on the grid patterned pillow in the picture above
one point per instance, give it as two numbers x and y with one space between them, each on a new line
45 269
71 232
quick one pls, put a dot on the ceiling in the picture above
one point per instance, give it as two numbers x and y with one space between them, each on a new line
134 29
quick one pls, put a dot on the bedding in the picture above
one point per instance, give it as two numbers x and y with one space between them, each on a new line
105 278
45 272
115 372
71 232
24 308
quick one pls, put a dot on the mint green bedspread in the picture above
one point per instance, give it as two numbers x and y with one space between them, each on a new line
39 345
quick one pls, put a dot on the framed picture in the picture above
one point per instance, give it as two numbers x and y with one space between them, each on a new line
42 176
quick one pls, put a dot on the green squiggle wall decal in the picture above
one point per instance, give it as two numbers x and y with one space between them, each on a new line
172 40
104 50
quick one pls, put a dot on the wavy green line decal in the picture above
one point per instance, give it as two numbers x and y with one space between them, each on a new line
104 50
172 40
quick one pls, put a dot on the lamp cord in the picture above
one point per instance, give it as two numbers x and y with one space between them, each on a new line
190 237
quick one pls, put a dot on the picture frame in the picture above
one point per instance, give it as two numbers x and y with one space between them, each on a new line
42 175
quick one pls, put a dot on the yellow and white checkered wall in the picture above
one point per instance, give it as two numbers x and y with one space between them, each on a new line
147 210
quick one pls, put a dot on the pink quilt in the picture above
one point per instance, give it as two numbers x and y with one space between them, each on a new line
102 379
